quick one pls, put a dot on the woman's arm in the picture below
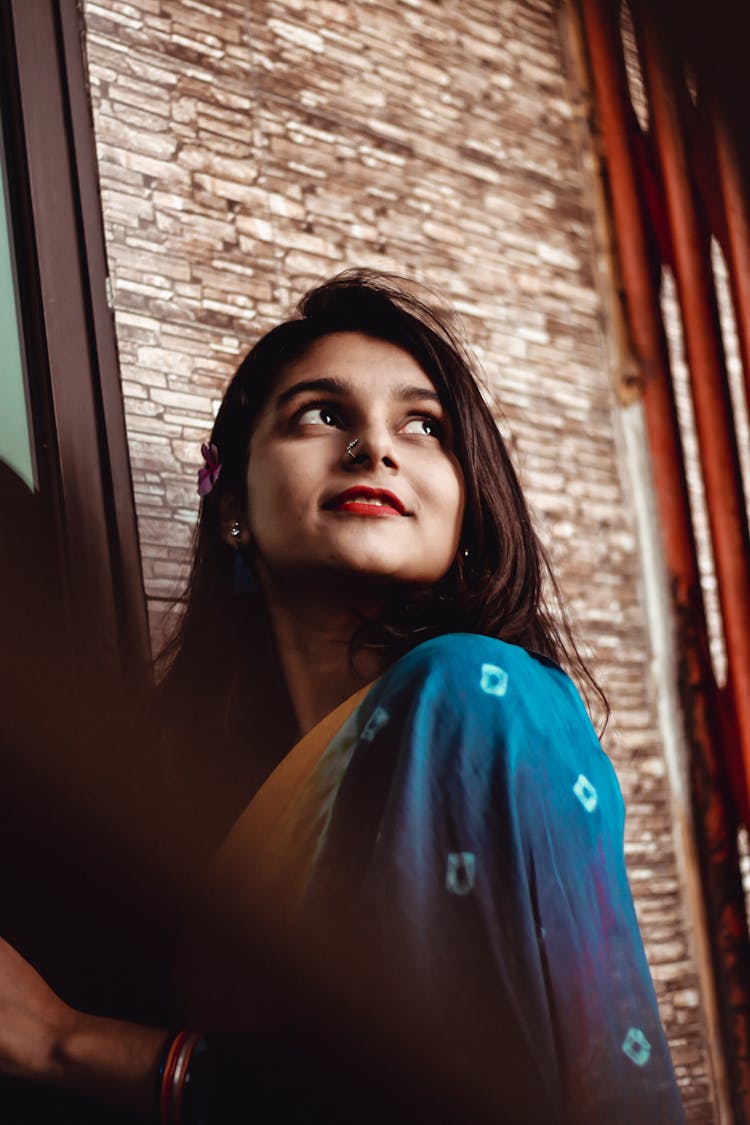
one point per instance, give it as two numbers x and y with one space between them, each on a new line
44 1040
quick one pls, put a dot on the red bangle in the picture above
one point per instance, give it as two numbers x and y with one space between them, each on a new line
167 1080
182 1067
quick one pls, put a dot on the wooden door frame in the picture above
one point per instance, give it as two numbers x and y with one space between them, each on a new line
80 444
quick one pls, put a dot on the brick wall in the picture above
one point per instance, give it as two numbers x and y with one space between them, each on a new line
247 150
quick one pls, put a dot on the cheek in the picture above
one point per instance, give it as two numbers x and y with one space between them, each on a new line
278 495
262 501
446 502
455 501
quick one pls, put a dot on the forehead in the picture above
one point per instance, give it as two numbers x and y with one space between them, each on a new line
364 362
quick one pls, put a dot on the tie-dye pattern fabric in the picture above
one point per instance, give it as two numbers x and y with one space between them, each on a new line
479 830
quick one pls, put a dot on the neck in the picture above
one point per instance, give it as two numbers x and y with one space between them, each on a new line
313 634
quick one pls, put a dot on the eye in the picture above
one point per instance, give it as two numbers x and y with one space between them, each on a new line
425 426
317 416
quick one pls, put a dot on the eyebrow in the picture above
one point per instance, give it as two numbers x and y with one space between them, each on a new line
329 385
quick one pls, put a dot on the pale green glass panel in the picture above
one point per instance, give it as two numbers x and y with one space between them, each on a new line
15 442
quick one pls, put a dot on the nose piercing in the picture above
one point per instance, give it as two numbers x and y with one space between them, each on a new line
350 449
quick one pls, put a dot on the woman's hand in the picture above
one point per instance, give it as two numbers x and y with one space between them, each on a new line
42 1039
34 1021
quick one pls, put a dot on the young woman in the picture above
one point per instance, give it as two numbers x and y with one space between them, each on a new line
423 911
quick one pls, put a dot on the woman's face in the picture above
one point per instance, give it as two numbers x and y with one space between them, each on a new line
393 511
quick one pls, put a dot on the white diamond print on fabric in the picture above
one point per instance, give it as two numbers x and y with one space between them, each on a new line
636 1046
377 719
586 793
494 680
460 872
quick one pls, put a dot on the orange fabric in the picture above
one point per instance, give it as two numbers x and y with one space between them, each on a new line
271 848
254 884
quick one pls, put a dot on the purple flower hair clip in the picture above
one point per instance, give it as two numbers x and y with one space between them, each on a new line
209 474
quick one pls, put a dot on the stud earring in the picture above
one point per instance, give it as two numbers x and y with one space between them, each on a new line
235 531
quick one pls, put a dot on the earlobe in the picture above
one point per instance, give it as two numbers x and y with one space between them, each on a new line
232 522
234 533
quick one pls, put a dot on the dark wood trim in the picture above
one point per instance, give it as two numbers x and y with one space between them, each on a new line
71 343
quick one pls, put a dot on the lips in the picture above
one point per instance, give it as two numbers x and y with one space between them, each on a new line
364 501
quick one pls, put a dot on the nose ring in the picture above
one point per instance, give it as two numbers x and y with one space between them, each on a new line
350 449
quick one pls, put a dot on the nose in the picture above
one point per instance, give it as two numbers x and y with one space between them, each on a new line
373 443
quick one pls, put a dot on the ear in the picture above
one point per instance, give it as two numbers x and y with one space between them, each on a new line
231 514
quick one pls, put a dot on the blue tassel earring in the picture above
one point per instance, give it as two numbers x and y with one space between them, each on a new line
243 579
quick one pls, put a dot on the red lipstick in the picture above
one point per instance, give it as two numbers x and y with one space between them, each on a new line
363 501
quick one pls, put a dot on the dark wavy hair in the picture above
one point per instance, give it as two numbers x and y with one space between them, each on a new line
499 588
